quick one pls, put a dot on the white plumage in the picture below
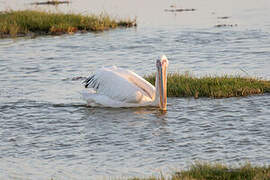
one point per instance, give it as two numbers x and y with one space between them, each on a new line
117 87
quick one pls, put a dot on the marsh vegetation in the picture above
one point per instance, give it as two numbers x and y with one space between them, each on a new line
214 171
29 22
186 85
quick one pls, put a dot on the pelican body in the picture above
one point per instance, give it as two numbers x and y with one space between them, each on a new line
117 87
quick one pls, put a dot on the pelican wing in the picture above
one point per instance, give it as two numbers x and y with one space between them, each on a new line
121 85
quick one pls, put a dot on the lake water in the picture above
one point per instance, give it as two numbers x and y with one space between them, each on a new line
47 131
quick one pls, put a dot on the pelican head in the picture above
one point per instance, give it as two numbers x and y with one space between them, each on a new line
161 82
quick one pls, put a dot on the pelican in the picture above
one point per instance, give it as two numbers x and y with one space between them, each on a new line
117 87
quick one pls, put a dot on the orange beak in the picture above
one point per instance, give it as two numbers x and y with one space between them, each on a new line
163 85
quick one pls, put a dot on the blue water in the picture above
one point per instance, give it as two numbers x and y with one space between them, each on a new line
47 131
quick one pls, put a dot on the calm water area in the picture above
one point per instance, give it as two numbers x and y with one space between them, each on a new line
47 131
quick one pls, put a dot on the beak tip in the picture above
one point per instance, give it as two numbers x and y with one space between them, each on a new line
163 108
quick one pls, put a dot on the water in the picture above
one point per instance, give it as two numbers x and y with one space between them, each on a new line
47 131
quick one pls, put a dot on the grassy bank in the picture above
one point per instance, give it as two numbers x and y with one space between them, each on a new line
185 85
206 171
28 22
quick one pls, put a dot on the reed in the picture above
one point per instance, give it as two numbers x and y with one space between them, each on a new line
29 22
217 171
185 85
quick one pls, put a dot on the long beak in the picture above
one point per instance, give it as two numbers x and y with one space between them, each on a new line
163 87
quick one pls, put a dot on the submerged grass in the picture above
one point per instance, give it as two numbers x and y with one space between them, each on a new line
208 171
51 2
185 85
29 22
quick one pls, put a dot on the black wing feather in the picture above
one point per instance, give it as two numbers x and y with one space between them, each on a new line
91 82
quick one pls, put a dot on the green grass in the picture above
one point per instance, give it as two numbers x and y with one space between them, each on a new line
220 171
185 85
29 22
208 171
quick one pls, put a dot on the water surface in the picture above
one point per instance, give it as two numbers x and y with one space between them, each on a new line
47 131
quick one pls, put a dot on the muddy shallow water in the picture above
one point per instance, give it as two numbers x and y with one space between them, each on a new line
47 131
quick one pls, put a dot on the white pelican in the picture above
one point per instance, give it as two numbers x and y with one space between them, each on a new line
117 87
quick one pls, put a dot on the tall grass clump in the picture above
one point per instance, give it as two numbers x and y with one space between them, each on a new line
217 171
25 22
185 85
208 171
